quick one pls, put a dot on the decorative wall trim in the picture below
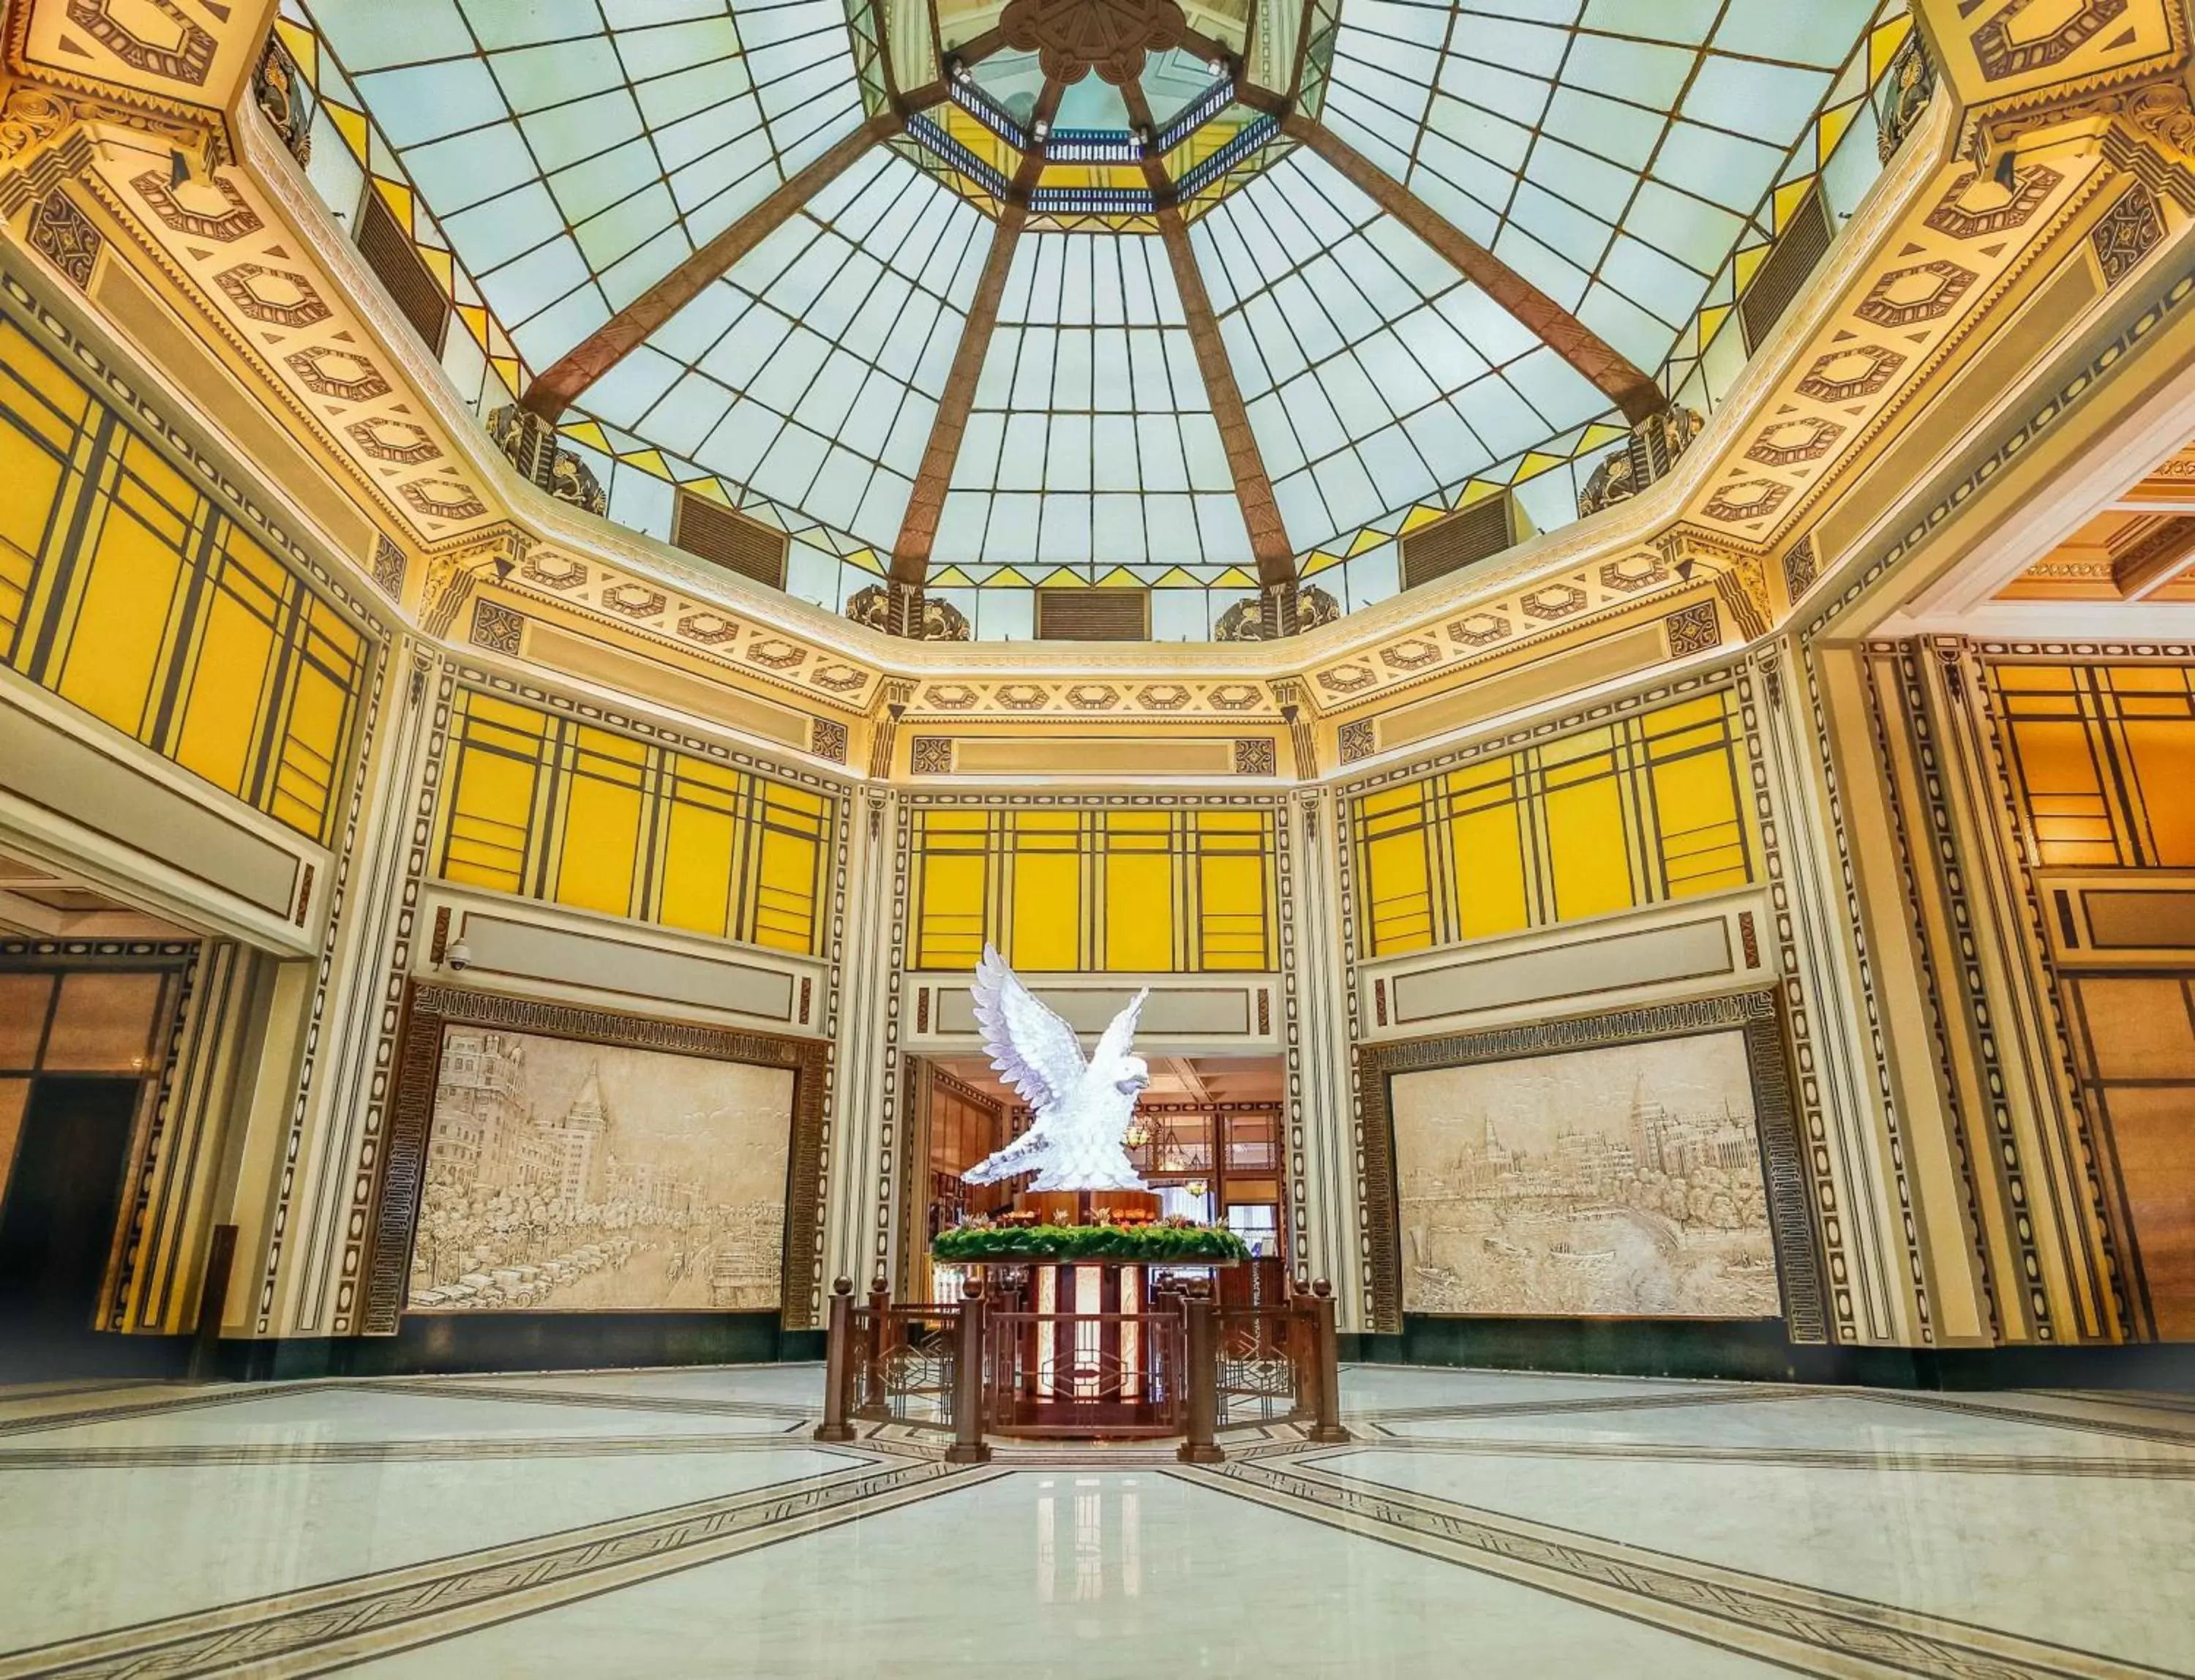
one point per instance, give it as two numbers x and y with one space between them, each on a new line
429 1008
1942 847
418 797
1796 990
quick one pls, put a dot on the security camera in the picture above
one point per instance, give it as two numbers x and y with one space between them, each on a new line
460 957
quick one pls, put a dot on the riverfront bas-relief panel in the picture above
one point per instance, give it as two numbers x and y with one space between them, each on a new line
564 1176
1619 1180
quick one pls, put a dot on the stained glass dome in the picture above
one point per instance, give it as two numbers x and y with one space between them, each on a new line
1096 293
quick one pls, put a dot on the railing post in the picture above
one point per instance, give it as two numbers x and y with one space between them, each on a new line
838 1362
1202 1422
1327 1424
879 1341
968 1446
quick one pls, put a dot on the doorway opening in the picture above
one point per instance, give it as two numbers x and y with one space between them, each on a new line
79 1065
1207 1136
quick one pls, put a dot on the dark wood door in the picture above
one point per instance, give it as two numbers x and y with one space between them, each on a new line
57 1223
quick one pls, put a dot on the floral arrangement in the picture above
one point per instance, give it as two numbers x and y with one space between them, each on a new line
1111 1235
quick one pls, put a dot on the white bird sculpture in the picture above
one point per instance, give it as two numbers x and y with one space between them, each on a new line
1076 1140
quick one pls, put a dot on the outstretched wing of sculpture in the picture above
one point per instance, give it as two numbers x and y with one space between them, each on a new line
1079 1109
1119 1035
1036 1051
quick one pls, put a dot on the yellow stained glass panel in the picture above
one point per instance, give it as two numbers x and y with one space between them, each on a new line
599 835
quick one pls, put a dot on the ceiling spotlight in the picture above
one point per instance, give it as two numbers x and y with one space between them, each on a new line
956 69
1142 136
1040 127
1217 68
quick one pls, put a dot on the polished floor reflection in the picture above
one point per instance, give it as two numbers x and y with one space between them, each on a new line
657 1523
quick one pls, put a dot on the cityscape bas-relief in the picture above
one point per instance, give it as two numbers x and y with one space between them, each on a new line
1623 1181
563 1175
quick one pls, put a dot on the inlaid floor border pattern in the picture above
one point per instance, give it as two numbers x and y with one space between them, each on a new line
1808 1629
1919 1460
332 1625
315 1630
200 1454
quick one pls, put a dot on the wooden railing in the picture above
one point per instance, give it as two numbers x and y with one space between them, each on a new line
1184 1366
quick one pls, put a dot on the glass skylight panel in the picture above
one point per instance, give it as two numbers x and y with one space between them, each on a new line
1375 377
1610 151
810 374
576 151
1090 440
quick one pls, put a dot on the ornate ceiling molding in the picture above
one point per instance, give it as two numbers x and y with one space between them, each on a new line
1938 252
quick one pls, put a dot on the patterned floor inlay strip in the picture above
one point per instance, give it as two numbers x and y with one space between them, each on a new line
2151 1469
2168 1435
390 1452
599 1400
316 1630
1556 1408
1804 1628
193 1400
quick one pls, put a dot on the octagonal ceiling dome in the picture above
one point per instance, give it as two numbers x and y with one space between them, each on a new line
1090 292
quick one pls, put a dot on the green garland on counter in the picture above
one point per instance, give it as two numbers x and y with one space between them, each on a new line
1150 1244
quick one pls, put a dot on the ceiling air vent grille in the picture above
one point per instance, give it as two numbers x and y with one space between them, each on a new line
1093 614
388 251
1449 544
1798 248
729 539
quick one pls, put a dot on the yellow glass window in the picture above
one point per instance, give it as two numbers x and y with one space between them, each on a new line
702 833
1235 889
1588 844
1095 890
128 591
1487 844
631 830
1046 888
1398 882
1596 822
1140 880
497 758
598 833
232 665
789 857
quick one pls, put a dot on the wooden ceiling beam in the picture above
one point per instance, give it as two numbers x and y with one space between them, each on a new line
926 504
558 386
1253 489
977 48
1155 169
1630 388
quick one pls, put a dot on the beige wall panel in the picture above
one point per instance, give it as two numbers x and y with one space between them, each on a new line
70 779
1170 1013
1583 966
1035 755
696 696
1557 674
504 946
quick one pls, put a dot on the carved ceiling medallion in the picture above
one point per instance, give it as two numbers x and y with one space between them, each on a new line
1072 38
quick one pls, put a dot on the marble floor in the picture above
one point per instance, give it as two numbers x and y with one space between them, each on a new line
673 1523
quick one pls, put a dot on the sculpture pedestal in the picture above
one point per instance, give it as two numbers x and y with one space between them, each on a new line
1086 1354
